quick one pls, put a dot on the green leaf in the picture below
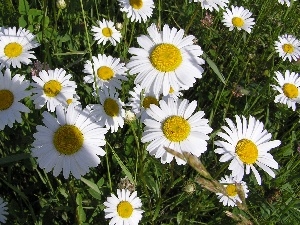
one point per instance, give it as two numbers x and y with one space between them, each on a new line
91 185
23 7
80 212
35 12
14 158
214 67
22 21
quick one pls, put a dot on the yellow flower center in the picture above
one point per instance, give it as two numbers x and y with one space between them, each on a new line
136 4
52 88
176 128
6 99
111 107
68 139
288 48
124 209
171 90
13 50
290 90
105 73
247 151
107 32
165 57
238 21
69 101
148 101
231 190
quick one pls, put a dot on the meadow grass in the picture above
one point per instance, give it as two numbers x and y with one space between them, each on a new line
170 193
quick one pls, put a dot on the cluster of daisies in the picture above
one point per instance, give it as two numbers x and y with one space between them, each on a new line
166 62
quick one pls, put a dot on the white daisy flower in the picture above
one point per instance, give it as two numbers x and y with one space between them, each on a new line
167 59
172 125
106 31
3 211
52 87
287 2
137 10
108 72
140 101
212 4
70 143
238 17
109 112
288 47
246 144
173 94
125 208
288 87
231 186
12 90
15 46
74 100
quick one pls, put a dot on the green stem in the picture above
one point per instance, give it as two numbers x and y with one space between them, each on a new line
108 168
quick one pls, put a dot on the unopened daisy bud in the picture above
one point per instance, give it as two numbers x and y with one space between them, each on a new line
129 116
189 187
119 26
61 4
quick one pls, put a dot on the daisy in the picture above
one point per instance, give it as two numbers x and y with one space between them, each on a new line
289 89
125 208
288 47
239 18
173 94
285 1
108 72
140 101
246 144
137 10
74 100
109 112
12 90
106 31
212 4
172 125
231 186
167 59
69 143
52 87
15 46
3 211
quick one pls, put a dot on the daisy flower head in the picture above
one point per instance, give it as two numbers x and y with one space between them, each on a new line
137 10
125 208
174 94
231 186
288 87
288 47
52 87
287 2
110 112
246 144
140 101
3 211
173 125
71 142
166 59
108 72
238 17
106 31
12 91
15 47
212 4
74 100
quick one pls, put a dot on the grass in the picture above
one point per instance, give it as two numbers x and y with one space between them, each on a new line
249 60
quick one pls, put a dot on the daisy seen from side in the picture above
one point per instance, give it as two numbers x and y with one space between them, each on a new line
106 31
174 124
137 10
3 211
166 59
288 88
70 142
140 101
123 208
108 72
110 112
288 47
232 185
15 47
12 91
212 4
239 18
287 2
246 144
52 88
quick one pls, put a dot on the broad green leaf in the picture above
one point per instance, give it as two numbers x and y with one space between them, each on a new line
22 21
214 67
91 185
23 7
